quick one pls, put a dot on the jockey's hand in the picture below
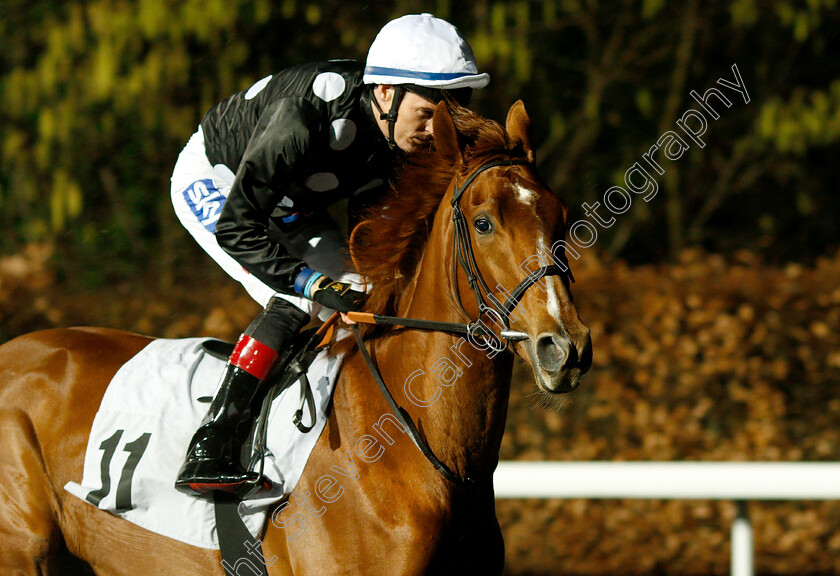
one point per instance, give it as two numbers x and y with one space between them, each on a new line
336 295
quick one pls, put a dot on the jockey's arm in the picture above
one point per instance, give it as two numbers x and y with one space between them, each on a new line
276 153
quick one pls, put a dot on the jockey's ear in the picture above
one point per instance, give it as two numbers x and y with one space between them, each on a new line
445 134
518 126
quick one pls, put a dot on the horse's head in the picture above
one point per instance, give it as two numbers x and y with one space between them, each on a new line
512 230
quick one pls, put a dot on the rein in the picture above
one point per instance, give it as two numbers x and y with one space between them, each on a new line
462 254
405 419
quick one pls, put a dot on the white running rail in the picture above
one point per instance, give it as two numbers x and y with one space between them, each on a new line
736 481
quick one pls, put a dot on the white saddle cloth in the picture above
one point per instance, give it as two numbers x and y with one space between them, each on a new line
144 425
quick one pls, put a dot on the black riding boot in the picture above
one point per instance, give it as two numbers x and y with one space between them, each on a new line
214 459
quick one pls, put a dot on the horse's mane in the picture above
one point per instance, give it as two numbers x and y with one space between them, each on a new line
389 241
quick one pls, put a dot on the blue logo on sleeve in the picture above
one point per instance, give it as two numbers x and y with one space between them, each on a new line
206 202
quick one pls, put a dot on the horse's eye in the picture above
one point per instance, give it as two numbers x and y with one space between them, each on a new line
482 225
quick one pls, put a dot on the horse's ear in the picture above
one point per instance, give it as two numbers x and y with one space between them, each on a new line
518 126
446 136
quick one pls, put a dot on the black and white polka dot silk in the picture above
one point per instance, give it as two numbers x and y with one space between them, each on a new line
297 141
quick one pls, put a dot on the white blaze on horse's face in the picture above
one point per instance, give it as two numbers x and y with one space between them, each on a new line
528 220
528 196
553 299
524 195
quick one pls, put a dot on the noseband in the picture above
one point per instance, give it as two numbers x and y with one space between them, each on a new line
462 253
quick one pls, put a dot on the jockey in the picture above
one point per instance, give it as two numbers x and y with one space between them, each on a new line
253 182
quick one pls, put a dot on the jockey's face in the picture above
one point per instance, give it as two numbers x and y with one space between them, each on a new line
413 129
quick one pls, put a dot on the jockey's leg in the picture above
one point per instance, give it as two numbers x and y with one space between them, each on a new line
213 460
199 190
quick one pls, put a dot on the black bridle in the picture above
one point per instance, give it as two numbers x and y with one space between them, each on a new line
462 254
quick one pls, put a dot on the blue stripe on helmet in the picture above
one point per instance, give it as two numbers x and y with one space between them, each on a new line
379 70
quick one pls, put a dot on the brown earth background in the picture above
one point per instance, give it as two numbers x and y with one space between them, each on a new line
710 358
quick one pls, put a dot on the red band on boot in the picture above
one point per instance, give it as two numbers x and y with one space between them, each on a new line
253 357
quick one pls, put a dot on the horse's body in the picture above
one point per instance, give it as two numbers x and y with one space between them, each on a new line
362 506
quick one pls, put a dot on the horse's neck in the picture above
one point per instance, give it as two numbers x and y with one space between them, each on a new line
465 423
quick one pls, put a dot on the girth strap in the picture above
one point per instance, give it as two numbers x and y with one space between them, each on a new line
235 542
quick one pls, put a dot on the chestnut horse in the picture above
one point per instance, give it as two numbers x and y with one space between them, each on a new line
369 502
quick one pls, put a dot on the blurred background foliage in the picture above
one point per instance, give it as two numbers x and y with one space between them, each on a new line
97 97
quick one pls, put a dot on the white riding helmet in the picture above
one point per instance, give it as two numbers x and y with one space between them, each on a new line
425 51
425 55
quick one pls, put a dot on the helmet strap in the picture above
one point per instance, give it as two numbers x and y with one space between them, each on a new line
391 116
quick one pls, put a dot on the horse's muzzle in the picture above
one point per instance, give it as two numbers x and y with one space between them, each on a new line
560 361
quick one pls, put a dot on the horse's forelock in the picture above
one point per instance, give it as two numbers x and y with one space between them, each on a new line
388 243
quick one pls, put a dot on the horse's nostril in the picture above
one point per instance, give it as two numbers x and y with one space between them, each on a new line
552 352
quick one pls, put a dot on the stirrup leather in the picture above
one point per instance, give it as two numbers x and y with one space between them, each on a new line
290 369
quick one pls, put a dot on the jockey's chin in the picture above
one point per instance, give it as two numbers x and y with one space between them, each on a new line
416 144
